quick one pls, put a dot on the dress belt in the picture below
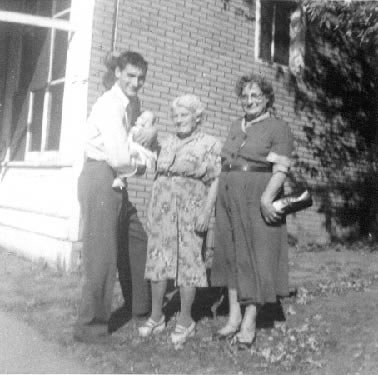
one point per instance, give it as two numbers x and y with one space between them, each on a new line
228 167
171 174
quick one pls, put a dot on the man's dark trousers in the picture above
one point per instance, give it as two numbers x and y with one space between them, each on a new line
132 249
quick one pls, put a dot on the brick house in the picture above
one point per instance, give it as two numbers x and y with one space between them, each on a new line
51 73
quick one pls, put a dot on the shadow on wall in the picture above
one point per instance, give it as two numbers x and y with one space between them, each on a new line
338 91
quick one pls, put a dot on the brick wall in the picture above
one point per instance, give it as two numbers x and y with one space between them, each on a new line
194 46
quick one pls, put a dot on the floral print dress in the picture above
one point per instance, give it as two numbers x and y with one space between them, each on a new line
185 170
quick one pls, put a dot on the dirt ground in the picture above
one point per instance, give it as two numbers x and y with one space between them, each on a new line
345 301
330 326
24 350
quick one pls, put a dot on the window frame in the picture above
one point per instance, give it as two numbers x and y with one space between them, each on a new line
44 154
258 37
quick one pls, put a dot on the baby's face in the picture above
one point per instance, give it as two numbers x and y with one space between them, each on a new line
145 120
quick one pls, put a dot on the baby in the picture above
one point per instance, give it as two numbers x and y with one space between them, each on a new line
141 156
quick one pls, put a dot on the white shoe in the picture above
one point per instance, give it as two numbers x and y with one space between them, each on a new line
181 333
151 327
228 331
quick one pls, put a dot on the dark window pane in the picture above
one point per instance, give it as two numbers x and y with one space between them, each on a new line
266 30
36 125
282 32
45 8
38 7
34 54
59 54
19 110
62 5
28 62
5 42
55 123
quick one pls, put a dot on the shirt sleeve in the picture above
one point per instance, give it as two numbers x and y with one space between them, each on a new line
107 116
282 147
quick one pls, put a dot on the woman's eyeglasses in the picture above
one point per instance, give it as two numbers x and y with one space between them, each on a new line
255 98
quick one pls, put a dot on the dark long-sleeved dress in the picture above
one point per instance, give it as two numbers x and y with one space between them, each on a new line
251 255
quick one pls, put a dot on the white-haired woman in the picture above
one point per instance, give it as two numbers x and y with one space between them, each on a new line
182 200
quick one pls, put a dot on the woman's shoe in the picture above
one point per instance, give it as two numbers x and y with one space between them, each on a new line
227 332
242 344
151 327
181 333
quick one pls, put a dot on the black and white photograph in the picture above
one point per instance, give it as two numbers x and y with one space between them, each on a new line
189 187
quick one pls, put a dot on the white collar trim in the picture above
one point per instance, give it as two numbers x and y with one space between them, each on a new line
245 125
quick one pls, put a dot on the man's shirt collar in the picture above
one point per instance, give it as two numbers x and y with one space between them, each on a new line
116 89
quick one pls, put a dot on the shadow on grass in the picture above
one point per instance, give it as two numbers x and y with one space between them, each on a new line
119 318
213 302
210 303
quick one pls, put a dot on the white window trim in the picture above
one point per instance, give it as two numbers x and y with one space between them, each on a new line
75 100
28 19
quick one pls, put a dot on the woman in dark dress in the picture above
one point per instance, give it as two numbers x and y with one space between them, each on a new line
251 250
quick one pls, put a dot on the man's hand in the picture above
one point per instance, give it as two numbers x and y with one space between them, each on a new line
146 136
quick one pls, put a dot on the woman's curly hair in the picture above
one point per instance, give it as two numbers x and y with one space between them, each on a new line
265 86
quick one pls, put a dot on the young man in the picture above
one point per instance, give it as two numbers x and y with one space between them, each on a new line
112 233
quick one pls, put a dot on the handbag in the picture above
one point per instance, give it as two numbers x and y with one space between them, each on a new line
299 198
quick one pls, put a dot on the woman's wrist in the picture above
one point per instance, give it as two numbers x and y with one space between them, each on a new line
207 211
284 173
266 199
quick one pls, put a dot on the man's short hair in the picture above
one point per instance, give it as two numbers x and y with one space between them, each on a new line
114 60
132 58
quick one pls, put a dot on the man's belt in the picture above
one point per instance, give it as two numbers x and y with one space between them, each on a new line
228 167
90 160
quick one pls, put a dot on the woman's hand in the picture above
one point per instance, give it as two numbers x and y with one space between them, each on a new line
146 136
269 213
202 222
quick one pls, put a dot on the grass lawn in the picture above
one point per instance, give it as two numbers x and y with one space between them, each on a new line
328 327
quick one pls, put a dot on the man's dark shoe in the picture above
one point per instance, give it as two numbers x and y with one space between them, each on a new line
119 318
93 333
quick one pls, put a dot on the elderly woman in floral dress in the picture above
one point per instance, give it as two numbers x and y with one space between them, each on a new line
182 200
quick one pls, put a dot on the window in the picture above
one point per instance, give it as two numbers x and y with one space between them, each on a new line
273 34
42 76
45 50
